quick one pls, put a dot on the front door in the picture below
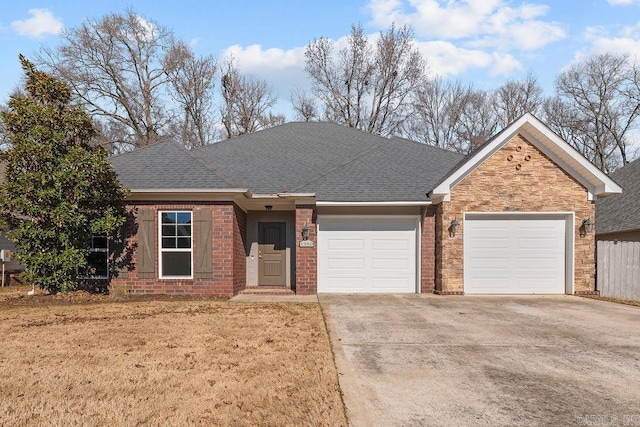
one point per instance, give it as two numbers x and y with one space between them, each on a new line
272 254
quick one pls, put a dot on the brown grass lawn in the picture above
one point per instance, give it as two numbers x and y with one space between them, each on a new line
163 362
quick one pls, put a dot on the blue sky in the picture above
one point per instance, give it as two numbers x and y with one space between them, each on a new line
485 42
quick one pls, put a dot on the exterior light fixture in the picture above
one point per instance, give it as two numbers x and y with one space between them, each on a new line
453 228
586 227
305 232
269 208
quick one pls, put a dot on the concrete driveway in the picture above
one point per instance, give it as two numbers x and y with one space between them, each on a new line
531 360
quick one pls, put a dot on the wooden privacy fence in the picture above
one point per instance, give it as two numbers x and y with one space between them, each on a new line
618 269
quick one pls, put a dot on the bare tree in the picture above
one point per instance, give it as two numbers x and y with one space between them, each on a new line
517 97
115 67
439 107
602 94
247 101
304 105
193 81
478 121
366 86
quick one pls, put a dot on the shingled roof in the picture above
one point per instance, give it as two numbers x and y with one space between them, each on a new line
334 162
621 212
165 165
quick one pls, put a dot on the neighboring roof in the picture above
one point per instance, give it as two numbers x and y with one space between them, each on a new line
165 165
334 162
621 212
549 143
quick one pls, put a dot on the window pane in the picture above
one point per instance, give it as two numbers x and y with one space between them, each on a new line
168 230
184 242
176 263
184 230
168 242
99 242
168 217
97 264
184 217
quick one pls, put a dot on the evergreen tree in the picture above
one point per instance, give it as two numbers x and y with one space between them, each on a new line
59 189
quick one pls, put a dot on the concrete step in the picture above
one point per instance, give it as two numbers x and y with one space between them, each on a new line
267 290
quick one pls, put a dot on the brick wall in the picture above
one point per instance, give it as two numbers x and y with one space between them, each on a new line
239 250
306 258
428 250
228 233
539 185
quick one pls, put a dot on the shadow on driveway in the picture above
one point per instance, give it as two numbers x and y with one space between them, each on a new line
419 360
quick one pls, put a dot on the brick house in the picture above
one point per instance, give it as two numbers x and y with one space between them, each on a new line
317 207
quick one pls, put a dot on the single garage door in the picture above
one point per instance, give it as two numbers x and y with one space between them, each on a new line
367 255
520 254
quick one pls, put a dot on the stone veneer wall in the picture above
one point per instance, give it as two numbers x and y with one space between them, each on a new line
497 185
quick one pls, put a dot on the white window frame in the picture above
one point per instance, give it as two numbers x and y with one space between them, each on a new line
161 250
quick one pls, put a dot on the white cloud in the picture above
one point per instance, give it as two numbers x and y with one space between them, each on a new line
194 42
41 22
282 69
479 23
626 40
622 2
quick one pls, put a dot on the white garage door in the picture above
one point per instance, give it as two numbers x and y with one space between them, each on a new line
367 255
514 254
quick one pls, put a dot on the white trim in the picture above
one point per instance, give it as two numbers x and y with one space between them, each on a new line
190 190
414 203
539 135
161 250
569 238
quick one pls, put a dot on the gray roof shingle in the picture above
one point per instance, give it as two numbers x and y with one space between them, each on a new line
165 165
334 162
621 212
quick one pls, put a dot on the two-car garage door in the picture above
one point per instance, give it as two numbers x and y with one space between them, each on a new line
367 254
503 254
514 254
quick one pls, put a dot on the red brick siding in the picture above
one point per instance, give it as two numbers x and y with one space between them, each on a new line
239 250
428 251
497 186
306 258
228 231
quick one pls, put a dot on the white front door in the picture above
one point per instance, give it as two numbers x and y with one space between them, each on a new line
514 254
367 254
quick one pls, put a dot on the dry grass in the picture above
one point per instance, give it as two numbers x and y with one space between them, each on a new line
166 363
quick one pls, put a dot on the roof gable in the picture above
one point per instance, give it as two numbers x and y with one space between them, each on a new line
559 151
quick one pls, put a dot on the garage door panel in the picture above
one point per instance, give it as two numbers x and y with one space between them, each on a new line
390 245
390 284
390 264
346 244
490 242
346 263
345 284
381 253
522 256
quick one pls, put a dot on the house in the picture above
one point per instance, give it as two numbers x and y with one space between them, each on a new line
618 237
619 214
317 207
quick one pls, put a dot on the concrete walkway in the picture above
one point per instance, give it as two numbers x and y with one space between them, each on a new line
274 298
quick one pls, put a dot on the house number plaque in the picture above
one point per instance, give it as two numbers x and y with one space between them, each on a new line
307 243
